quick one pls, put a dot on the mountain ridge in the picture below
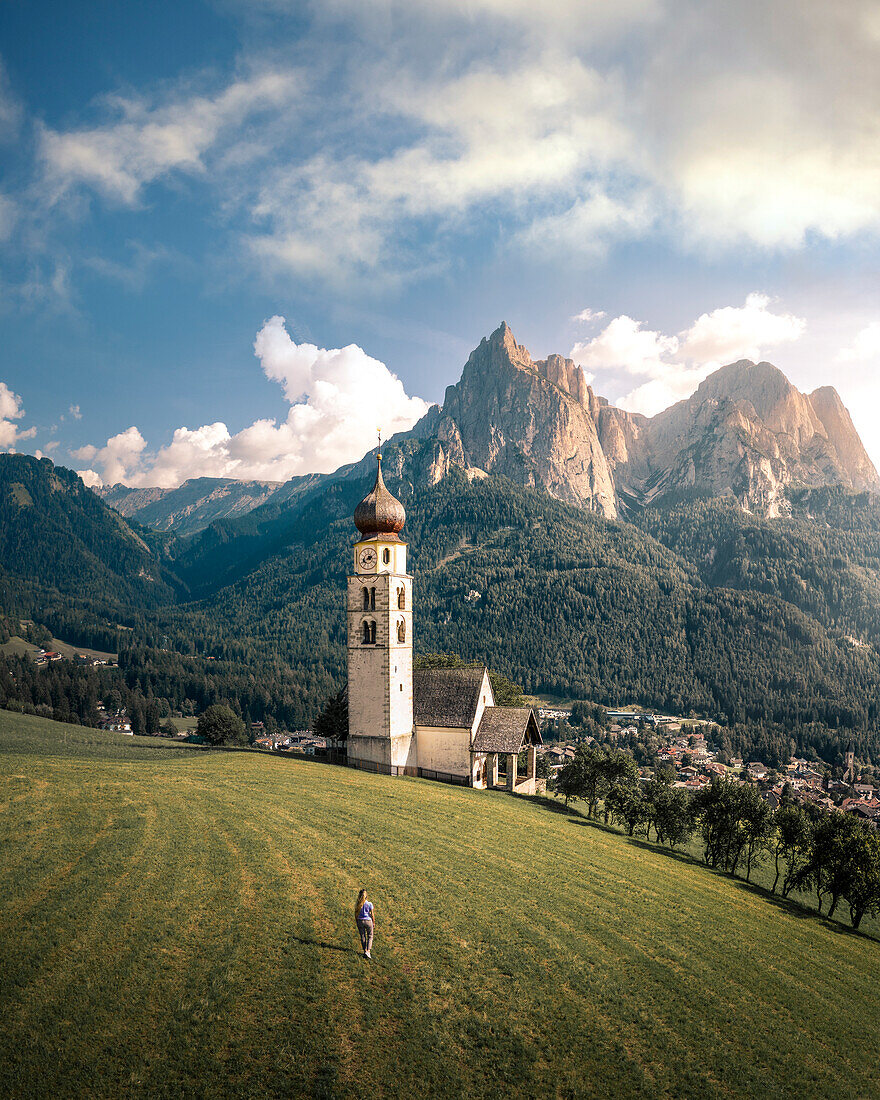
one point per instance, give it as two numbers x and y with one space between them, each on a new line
746 432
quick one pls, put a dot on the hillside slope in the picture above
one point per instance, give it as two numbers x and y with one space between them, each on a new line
184 927
57 536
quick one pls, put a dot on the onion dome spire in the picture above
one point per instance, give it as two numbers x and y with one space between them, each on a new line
380 512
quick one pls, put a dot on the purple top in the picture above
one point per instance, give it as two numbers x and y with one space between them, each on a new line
366 911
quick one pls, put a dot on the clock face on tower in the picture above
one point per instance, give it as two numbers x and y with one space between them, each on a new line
367 557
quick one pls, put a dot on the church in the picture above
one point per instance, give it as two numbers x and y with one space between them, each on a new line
436 723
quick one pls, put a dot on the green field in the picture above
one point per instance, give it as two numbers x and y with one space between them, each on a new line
178 923
18 647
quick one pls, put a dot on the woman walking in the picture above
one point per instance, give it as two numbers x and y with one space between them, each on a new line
363 915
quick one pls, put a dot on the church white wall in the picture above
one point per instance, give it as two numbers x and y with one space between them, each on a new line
380 694
445 750
487 699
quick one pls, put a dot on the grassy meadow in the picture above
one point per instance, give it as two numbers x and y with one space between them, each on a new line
178 923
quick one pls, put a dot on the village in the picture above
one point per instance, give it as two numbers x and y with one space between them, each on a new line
684 751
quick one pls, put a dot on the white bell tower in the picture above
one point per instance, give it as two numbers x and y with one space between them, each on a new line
381 736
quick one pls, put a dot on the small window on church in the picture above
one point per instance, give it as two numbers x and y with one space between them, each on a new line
401 687
401 631
369 633
372 633
386 555
366 600
401 598
372 599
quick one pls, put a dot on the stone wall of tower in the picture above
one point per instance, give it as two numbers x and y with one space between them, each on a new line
380 693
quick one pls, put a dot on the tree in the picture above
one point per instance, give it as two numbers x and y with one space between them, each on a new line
570 780
734 820
792 842
756 823
862 890
627 805
618 768
219 725
830 866
332 722
671 815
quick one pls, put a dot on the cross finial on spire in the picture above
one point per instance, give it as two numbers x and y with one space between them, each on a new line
379 433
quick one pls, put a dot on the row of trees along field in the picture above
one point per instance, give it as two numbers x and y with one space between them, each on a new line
831 855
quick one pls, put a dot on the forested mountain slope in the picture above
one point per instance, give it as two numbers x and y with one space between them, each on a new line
57 536
768 626
565 602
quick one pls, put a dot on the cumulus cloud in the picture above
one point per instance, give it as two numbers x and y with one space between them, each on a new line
589 316
739 332
119 454
148 142
10 411
338 398
669 368
864 348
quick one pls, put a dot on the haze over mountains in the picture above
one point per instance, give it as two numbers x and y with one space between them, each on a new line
746 433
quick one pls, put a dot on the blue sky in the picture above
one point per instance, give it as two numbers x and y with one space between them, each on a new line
236 236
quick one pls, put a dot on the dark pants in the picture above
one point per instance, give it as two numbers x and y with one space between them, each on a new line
365 927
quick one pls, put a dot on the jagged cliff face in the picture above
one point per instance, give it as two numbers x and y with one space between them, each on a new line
533 422
746 431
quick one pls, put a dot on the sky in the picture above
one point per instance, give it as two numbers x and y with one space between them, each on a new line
237 237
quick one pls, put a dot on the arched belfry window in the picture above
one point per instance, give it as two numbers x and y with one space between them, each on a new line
401 598
401 631
366 600
386 555
369 633
372 599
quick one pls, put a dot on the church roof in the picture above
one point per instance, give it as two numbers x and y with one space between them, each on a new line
380 512
446 696
506 729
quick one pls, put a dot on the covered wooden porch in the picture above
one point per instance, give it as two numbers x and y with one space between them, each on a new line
501 736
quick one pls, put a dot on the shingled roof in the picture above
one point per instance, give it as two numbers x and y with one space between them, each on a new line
446 696
506 729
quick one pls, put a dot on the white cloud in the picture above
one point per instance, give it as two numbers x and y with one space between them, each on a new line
487 138
118 455
90 478
739 332
10 411
669 368
623 343
120 158
74 412
589 316
339 397
864 348
723 127
560 129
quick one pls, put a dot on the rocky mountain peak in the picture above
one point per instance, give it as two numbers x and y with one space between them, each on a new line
530 421
746 431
